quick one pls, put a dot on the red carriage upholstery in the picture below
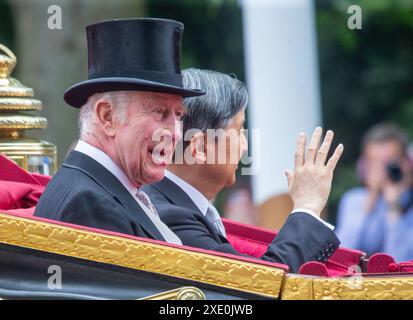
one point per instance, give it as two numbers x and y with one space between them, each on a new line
19 190
255 240
10 171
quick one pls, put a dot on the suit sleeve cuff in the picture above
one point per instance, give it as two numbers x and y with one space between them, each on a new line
311 213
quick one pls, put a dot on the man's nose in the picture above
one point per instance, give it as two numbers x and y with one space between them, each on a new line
175 130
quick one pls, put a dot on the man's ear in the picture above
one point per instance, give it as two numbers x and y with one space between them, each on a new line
105 117
197 147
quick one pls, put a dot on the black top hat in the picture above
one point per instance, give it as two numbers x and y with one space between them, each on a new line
142 54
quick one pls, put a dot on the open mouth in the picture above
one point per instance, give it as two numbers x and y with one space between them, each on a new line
159 157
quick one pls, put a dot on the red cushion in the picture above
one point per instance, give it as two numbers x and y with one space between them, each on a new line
314 268
254 241
247 239
406 266
384 263
10 171
43 179
342 262
381 263
19 190
18 195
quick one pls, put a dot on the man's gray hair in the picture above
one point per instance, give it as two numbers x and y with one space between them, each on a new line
118 99
225 97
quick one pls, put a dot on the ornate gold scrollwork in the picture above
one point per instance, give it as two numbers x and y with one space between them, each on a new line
181 263
381 287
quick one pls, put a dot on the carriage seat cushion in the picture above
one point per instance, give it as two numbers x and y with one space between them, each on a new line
19 189
18 195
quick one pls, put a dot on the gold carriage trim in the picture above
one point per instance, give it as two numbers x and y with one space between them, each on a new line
356 287
206 268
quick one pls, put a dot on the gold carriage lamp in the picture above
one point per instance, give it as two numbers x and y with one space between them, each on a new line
16 115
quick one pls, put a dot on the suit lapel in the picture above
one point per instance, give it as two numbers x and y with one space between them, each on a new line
179 197
111 184
175 194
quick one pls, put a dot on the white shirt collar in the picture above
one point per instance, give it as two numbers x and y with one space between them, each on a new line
197 197
107 162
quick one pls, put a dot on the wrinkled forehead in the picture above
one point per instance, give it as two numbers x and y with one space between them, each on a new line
166 98
142 100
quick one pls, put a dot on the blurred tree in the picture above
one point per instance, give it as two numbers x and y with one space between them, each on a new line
366 75
50 61
213 32
6 25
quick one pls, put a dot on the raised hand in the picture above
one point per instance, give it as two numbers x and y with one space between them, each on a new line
310 183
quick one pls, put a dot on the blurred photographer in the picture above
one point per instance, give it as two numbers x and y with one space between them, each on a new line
378 217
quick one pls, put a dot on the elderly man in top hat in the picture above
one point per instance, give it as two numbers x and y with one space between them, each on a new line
134 92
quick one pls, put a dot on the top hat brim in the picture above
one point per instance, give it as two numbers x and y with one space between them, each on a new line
77 95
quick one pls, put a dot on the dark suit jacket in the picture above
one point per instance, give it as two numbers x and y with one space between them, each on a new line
302 238
84 192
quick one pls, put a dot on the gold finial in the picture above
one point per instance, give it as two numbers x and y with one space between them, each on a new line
15 97
12 88
7 62
16 115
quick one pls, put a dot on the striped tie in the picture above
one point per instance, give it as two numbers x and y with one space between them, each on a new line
167 233
213 216
143 197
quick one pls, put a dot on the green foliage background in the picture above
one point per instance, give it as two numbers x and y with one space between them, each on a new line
6 25
213 32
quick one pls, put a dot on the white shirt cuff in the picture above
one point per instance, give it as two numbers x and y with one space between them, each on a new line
311 213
